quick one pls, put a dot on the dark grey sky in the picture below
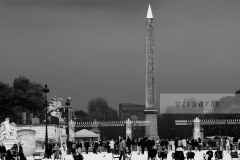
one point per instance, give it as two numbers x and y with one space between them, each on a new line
96 48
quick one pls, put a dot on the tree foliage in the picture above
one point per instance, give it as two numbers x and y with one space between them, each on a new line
24 95
98 109
27 94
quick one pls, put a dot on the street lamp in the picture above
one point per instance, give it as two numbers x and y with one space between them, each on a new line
68 105
45 91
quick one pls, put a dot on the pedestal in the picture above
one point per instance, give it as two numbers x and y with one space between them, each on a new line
152 130
9 143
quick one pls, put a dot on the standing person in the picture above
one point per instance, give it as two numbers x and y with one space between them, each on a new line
74 147
173 145
122 149
218 154
69 146
139 146
227 145
107 145
79 145
176 143
153 142
49 150
100 145
189 144
179 143
111 144
20 152
143 144
55 151
86 145
196 145
2 151
96 145
235 142
63 151
184 143
163 152
129 142
193 144
14 150
152 153
199 144
149 143
170 145
231 143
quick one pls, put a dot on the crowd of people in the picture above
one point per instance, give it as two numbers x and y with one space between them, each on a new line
123 147
14 153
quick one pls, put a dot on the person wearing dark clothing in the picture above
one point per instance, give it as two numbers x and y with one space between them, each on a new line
86 145
107 146
73 148
235 143
79 145
49 150
9 155
176 143
209 154
196 144
2 151
95 148
193 144
143 144
20 152
190 155
199 144
153 142
152 153
163 152
218 154
129 143
69 146
149 144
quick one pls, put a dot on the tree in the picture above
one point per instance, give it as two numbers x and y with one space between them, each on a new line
6 108
28 95
99 109
81 115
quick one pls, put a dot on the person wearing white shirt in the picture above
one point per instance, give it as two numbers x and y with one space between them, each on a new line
63 151
111 144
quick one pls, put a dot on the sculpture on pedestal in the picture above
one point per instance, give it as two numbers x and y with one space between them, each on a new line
54 106
8 131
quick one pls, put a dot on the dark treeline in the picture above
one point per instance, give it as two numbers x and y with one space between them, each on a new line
23 95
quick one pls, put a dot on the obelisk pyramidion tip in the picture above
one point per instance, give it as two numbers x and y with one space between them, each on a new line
149 13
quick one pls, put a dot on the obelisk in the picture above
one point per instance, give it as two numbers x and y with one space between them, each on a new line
150 110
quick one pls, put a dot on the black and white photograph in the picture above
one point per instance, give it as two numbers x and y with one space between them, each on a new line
119 79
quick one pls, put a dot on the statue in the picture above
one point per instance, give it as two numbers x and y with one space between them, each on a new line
8 131
54 106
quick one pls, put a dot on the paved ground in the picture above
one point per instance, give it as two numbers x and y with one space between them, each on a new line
108 156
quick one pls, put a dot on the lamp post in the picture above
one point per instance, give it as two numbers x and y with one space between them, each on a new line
68 105
45 91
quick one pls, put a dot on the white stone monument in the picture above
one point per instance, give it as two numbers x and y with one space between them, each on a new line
8 134
196 129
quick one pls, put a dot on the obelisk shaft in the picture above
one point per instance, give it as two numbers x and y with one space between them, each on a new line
150 77
150 111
